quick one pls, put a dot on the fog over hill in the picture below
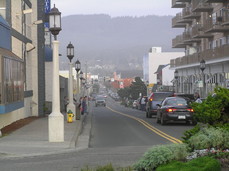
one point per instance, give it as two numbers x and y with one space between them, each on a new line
119 43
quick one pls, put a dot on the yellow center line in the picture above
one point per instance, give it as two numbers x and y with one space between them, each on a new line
150 127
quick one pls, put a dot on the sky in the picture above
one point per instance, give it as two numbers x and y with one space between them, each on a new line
115 8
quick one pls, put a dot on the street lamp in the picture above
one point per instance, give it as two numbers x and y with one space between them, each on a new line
202 68
202 65
77 68
70 55
56 119
176 78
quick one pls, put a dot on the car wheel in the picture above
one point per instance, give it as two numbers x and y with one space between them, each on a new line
163 122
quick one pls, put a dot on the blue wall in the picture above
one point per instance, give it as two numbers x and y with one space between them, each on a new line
5 41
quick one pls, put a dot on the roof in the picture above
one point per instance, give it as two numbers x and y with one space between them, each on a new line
9 54
160 67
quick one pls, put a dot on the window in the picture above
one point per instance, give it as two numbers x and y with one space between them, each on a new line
3 8
12 84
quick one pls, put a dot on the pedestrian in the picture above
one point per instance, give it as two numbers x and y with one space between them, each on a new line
197 97
85 104
143 103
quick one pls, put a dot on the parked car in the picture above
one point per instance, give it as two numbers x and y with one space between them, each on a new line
154 99
175 109
100 101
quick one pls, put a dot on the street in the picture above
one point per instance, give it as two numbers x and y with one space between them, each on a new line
119 135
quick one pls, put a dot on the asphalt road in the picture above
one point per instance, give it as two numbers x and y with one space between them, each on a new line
119 135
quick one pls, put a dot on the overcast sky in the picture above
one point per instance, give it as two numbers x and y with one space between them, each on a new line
115 7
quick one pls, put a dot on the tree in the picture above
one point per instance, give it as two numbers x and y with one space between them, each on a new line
138 87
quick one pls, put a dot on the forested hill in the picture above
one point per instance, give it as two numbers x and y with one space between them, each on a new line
117 41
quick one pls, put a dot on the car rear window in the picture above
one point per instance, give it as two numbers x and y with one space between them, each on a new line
160 96
176 102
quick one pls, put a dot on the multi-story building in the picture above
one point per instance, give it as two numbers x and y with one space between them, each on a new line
22 78
205 38
155 58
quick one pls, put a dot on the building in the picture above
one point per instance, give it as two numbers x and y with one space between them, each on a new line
155 58
22 85
205 38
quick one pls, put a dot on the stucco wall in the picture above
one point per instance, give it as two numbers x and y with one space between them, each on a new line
156 59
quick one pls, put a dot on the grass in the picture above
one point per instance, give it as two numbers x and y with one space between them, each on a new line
200 164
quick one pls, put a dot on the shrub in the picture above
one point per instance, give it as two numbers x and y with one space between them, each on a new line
215 109
161 154
189 133
200 164
210 138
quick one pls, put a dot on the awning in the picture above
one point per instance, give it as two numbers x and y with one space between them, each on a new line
9 54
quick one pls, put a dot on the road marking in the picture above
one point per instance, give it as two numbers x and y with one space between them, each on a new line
150 127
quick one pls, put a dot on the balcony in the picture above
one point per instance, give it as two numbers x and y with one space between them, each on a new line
201 6
178 42
184 1
188 14
216 26
214 1
177 4
176 21
188 39
197 32
207 55
225 17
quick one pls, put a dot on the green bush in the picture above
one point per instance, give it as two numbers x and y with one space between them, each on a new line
215 109
200 164
210 138
107 167
189 133
161 154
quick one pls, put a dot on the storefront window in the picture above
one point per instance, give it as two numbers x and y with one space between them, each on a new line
12 80
3 8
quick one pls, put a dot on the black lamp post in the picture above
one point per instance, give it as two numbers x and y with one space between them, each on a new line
202 68
70 52
77 66
55 21
176 77
70 55
81 75
202 65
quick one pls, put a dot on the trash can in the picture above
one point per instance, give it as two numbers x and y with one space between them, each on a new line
70 116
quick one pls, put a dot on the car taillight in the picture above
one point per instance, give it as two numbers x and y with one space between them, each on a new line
171 110
190 110
151 97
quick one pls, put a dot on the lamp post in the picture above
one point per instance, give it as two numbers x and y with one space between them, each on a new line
176 78
70 55
77 68
202 68
56 119
81 81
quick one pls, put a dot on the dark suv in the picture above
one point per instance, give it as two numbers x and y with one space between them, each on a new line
154 99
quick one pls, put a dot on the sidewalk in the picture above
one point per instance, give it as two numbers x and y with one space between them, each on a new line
32 139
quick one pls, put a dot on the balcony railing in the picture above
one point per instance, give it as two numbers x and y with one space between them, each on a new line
178 4
179 42
201 6
188 14
176 21
214 1
209 54
225 17
198 32
216 26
